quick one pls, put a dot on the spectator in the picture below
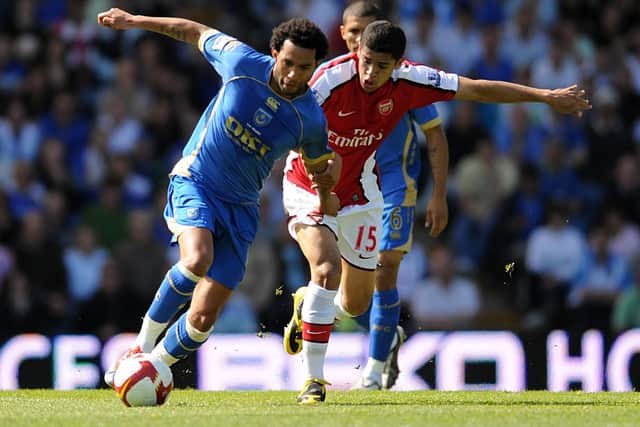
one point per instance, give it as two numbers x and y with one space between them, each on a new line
19 139
141 260
483 180
491 65
26 194
521 213
41 273
460 36
626 310
624 236
444 300
601 278
553 256
107 215
524 41
520 136
112 309
558 68
64 123
84 261
463 132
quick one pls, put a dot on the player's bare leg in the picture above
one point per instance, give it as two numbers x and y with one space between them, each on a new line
310 326
356 289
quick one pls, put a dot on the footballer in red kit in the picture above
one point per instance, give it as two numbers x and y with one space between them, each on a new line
359 121
364 95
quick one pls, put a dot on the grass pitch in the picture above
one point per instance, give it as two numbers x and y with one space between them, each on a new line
343 408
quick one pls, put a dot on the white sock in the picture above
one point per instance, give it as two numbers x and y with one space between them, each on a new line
395 340
317 309
149 333
373 370
159 352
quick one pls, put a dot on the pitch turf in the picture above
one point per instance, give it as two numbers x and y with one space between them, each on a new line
357 408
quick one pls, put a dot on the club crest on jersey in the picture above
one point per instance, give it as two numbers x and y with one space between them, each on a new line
272 103
225 43
193 213
385 107
261 117
434 77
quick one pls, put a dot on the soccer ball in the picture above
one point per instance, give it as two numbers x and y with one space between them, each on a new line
142 380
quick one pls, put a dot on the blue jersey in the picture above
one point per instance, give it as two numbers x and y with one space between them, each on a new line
398 157
247 126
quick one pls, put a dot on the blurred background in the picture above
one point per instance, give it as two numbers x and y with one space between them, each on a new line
544 209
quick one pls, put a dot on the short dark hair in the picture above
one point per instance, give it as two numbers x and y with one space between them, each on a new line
361 9
303 33
384 37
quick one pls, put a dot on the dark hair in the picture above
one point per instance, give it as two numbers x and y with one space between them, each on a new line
361 9
303 33
385 37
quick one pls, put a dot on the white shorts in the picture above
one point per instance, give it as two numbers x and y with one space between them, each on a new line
358 228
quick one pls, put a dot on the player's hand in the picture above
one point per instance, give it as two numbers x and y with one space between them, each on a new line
326 179
437 215
569 100
331 205
116 19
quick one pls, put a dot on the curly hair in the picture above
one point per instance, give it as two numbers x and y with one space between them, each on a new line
302 33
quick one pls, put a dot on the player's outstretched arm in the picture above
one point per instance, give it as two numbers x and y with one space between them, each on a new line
178 28
568 100
437 213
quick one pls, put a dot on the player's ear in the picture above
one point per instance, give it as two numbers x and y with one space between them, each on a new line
274 53
342 30
398 63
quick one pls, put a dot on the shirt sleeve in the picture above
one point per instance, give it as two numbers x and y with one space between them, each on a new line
315 148
426 117
228 56
425 85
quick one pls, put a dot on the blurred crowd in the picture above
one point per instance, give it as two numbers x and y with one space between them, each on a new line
544 210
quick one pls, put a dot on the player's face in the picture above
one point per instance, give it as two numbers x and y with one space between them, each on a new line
352 29
375 68
293 69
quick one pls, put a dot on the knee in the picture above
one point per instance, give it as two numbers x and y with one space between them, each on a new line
327 272
198 261
202 320
356 307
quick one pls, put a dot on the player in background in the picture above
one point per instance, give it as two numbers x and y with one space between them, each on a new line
263 110
398 162
364 95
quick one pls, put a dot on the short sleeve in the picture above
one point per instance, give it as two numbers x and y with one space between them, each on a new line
426 85
229 56
314 147
426 117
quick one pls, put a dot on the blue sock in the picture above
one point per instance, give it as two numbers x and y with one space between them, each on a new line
385 315
363 319
180 342
175 291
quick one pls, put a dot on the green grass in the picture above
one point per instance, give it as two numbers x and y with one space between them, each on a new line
277 409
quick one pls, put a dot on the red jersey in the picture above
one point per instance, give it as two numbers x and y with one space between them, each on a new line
359 121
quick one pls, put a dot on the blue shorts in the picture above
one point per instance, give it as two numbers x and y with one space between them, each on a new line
397 228
233 226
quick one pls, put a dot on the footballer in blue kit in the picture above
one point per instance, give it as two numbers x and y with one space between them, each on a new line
263 110
232 149
399 165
